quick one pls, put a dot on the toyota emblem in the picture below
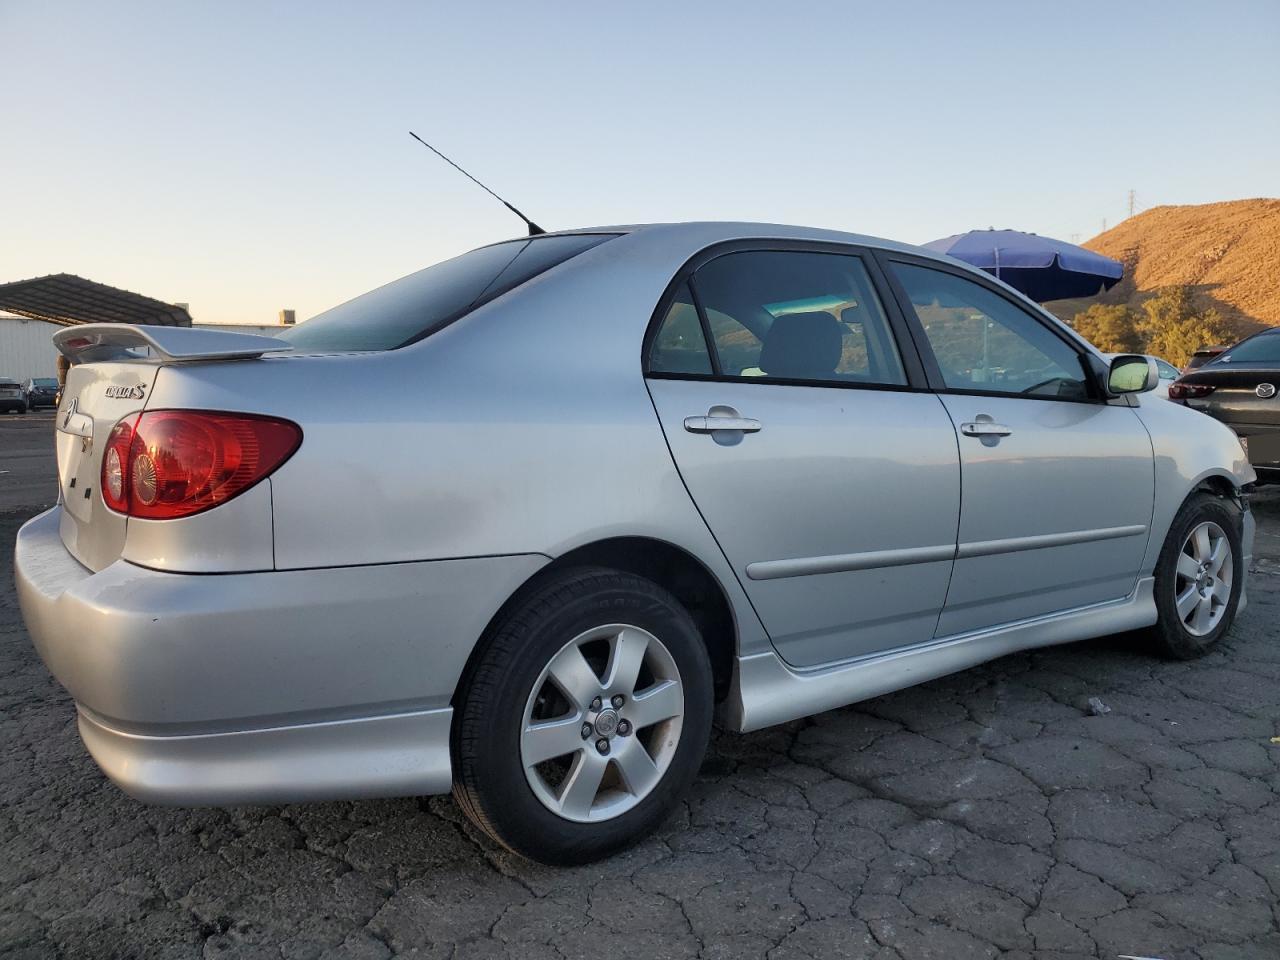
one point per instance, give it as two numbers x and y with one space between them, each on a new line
1266 390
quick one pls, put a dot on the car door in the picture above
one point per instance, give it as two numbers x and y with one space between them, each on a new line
808 440
1057 484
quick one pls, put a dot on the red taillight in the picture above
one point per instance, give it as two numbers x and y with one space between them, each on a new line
163 464
1189 391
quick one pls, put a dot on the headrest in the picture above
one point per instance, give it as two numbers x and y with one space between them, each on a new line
803 346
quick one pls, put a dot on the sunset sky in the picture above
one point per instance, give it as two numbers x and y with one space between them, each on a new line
245 157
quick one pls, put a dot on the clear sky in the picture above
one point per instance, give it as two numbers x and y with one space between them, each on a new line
249 156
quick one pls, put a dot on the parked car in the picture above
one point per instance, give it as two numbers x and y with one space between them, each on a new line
516 524
1203 356
1239 388
1165 370
40 392
12 399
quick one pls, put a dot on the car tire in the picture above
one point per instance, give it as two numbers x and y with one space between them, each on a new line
526 694
1197 590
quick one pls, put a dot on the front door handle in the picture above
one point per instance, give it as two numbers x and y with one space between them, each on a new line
714 424
985 428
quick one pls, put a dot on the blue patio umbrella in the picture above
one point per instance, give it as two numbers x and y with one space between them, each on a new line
1041 267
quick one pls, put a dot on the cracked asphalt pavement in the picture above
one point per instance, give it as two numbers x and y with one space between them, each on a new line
988 814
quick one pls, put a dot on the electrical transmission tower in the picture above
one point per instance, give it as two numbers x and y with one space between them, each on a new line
1133 202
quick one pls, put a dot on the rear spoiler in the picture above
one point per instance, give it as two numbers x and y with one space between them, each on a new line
89 342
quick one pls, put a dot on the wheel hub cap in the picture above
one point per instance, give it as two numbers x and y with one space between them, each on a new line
607 723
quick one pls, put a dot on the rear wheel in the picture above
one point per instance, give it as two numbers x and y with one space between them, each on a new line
1198 577
584 719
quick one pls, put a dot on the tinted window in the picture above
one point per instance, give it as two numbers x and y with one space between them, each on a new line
799 316
1167 371
984 342
412 307
1264 348
679 346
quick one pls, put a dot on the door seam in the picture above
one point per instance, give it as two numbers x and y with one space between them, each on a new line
955 434
675 465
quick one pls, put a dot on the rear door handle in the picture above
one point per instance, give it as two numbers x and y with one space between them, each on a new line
715 424
985 428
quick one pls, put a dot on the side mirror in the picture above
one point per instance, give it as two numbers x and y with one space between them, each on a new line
1132 373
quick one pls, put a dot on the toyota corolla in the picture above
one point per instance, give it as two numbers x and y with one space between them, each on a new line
608 484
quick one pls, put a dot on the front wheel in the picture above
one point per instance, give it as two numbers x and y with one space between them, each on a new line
584 719
1199 577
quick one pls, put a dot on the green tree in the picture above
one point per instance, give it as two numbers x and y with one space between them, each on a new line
1112 329
1172 327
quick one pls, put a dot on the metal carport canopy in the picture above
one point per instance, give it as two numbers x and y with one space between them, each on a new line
66 299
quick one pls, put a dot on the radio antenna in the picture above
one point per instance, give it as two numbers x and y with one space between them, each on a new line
534 229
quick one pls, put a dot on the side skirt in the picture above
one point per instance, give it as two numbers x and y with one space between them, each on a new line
767 691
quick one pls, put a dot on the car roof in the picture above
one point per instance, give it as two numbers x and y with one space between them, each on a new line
712 231
699 234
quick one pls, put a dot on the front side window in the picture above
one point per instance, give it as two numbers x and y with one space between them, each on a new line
797 316
983 342
1167 371
413 307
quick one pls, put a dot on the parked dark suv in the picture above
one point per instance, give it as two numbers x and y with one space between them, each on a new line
41 392
1203 356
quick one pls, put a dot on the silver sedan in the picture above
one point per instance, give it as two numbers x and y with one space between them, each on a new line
519 524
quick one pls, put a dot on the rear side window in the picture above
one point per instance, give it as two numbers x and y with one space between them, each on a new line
797 316
413 307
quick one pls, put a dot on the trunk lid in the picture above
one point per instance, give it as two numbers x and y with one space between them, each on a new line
96 397
1236 398
114 369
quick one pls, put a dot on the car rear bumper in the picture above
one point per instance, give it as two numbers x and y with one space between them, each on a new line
261 687
400 755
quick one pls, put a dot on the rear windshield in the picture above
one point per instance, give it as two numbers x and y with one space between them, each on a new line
412 307
1264 348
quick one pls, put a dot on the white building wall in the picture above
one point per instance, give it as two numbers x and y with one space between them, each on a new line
26 349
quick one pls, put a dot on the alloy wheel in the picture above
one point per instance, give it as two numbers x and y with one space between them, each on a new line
602 723
1205 572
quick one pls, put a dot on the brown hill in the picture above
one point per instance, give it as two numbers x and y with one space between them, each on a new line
1226 254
